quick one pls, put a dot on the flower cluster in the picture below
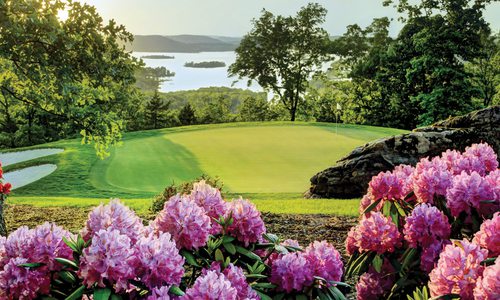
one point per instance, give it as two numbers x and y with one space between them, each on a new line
372 284
212 286
488 236
39 245
488 286
431 178
247 226
468 191
458 269
374 233
296 271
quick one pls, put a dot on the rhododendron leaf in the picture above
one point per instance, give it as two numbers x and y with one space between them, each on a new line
102 294
77 294
176 291
339 283
271 237
70 243
372 206
264 285
323 296
247 253
189 258
31 265
279 296
227 239
80 243
280 249
255 276
394 215
400 209
293 249
489 261
219 256
377 263
263 296
66 262
230 248
301 297
408 256
116 297
336 293
386 209
68 277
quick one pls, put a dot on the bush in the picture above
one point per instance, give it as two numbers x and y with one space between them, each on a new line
198 247
430 228
183 188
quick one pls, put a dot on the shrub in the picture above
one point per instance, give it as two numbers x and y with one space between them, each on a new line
198 247
447 211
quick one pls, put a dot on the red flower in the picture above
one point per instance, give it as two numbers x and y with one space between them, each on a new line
5 188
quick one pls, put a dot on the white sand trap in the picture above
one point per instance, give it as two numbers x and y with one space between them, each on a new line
20 156
26 176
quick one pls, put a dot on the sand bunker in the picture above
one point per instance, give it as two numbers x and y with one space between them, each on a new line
26 176
20 156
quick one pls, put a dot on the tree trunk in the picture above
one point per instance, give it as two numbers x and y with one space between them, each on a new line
292 114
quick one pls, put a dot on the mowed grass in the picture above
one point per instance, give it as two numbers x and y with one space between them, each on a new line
269 163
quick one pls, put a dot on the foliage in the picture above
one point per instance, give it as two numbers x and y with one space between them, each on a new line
156 112
187 115
254 109
4 191
205 64
113 258
72 70
184 188
148 79
416 225
281 53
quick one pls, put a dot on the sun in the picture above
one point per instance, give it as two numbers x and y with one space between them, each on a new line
62 15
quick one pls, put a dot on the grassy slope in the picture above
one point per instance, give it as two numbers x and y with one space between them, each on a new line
266 162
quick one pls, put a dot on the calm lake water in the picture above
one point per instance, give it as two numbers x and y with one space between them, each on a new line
195 78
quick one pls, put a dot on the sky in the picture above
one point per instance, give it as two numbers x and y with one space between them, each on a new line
233 17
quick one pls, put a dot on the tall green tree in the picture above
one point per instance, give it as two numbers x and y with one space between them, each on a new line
254 109
187 115
156 112
74 69
282 53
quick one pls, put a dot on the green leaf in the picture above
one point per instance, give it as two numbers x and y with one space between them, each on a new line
247 253
190 259
31 265
68 277
219 256
489 261
279 296
323 296
263 296
255 276
229 248
227 239
66 262
176 291
400 209
116 297
264 285
77 294
70 243
372 206
271 237
336 293
102 294
377 263
301 297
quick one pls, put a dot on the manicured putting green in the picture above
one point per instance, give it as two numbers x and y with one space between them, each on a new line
250 159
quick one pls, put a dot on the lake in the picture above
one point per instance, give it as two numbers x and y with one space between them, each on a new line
195 78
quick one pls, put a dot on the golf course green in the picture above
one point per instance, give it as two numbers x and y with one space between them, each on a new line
270 161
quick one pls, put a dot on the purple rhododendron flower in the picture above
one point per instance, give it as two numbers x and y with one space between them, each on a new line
374 233
159 261
425 225
455 161
324 260
488 236
20 243
110 257
292 271
430 255
488 286
211 286
466 192
160 294
237 279
248 226
209 198
387 186
116 216
48 239
431 178
372 285
482 158
3 254
22 283
457 270
187 222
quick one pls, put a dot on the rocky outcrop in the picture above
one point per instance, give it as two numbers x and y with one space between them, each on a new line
350 176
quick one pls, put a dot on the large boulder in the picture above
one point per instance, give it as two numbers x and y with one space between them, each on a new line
349 177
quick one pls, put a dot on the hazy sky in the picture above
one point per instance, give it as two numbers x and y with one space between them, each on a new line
232 17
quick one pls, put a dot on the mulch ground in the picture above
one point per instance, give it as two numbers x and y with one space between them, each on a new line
304 228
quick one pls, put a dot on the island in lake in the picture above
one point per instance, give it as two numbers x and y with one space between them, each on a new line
205 64
158 57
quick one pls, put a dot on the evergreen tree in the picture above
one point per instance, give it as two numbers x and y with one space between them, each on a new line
187 115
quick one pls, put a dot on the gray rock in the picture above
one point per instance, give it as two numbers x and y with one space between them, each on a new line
350 176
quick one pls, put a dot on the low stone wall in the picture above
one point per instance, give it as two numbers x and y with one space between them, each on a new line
349 177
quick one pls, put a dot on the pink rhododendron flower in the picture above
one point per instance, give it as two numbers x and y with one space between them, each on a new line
455 161
493 179
425 225
374 233
488 286
20 243
291 272
247 226
237 279
209 198
457 270
160 294
351 244
159 261
482 158
111 258
373 285
488 236
387 186
431 178
48 239
22 283
467 191
430 255
3 254
275 255
113 215
324 260
187 222
211 286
